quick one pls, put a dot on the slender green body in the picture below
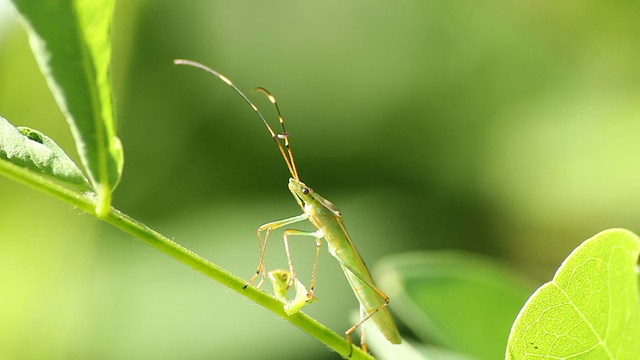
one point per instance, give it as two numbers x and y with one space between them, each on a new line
327 218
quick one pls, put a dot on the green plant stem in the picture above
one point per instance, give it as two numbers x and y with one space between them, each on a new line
87 203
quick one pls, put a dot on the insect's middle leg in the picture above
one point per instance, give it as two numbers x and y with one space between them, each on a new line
267 229
315 234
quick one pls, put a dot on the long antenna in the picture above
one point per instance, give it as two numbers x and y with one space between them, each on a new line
288 155
285 134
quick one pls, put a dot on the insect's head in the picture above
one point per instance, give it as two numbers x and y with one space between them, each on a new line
306 197
282 139
301 190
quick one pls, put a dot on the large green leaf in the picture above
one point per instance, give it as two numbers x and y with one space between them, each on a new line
459 301
590 308
71 41
29 148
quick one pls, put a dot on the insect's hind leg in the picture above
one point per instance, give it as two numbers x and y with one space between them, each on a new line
347 334
267 229
317 235
363 342
363 318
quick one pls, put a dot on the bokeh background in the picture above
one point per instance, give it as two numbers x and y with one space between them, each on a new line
502 128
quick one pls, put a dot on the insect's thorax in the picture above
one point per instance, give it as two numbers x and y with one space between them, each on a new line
322 213
319 215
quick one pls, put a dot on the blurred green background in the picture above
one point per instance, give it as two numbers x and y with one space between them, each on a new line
502 128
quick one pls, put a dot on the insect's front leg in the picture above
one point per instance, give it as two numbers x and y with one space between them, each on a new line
267 228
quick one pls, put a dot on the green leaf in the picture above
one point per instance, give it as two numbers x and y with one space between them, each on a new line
590 308
71 41
460 301
281 283
29 148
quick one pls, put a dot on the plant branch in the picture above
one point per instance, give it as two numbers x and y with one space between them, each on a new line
86 202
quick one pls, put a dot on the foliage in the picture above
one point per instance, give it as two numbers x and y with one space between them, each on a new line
458 306
590 308
75 59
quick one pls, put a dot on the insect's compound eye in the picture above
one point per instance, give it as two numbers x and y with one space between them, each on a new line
306 191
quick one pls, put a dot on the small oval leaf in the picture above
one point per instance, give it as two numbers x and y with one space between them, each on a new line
590 308
35 151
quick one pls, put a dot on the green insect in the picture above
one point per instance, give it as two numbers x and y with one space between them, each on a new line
327 220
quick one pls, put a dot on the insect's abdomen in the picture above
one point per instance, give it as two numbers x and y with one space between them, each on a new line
370 300
341 247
